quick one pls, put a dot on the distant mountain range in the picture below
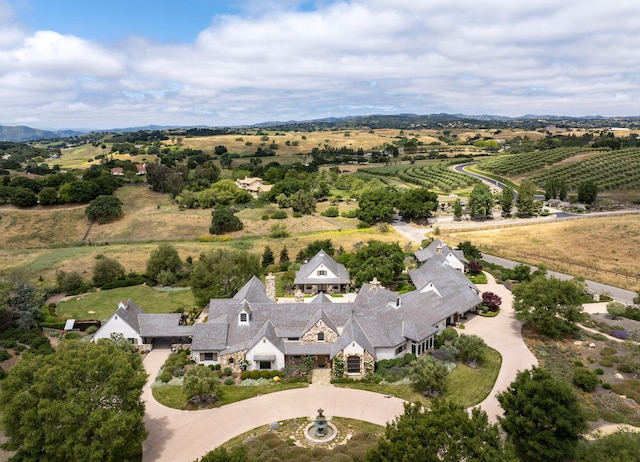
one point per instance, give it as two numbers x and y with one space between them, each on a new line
22 133
398 121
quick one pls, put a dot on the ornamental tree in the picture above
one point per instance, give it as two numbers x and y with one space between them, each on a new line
491 301
80 403
164 258
429 375
542 417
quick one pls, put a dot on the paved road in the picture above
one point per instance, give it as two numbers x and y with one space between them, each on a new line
498 184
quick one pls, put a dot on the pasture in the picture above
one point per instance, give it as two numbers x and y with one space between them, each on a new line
609 243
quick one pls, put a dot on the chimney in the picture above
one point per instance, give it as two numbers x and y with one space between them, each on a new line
439 249
270 282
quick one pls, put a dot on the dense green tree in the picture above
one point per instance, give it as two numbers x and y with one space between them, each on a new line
221 273
542 417
443 432
587 192
48 196
457 209
223 221
284 259
303 202
69 282
25 303
525 201
25 182
82 191
471 348
552 305
23 197
80 403
417 204
429 376
376 205
470 251
104 209
506 200
107 270
157 175
313 248
376 259
481 201
164 258
267 257
616 309
621 446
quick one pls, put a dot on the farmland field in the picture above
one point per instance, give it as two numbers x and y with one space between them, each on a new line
436 175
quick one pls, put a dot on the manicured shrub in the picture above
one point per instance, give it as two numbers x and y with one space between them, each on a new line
245 375
91 330
255 375
217 367
274 373
585 379
449 333
72 335
165 377
229 381
409 358
227 372
265 374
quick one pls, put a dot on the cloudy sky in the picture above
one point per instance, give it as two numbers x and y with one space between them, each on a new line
116 63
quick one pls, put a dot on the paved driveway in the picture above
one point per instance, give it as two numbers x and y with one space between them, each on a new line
503 333
183 436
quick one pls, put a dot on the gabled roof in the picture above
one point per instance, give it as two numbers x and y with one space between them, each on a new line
269 332
436 248
163 325
437 269
352 332
306 274
209 336
128 311
321 298
371 295
318 315
253 291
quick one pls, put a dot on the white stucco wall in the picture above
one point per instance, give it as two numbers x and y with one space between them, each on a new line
265 347
116 324
454 263
387 353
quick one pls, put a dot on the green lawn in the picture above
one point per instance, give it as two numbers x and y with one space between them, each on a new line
467 386
172 396
103 303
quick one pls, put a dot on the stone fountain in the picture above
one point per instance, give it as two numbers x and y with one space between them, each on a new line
320 431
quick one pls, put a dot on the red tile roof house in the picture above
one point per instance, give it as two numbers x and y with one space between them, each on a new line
252 331
117 171
141 169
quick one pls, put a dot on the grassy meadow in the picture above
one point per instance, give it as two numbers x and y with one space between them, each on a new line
608 243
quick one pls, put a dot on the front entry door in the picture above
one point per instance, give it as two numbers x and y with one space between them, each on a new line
322 361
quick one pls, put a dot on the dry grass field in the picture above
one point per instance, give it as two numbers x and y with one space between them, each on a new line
607 243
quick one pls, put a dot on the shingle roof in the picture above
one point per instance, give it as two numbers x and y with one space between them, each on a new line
209 336
253 291
129 314
301 349
163 325
369 295
320 314
269 332
321 298
352 332
306 274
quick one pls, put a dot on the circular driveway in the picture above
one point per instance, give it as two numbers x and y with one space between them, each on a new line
182 436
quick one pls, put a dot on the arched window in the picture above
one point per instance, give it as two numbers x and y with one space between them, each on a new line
353 364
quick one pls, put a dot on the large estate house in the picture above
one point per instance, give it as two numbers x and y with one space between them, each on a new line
251 330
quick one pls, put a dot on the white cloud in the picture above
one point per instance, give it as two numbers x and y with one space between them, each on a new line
358 57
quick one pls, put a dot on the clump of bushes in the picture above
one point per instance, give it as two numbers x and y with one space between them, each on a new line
585 379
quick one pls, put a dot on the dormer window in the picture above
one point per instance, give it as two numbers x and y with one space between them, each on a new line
322 272
243 317
398 302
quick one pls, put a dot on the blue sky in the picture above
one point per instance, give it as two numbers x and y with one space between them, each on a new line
105 64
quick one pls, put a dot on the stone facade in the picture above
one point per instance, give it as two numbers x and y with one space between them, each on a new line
235 364
311 336
270 283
